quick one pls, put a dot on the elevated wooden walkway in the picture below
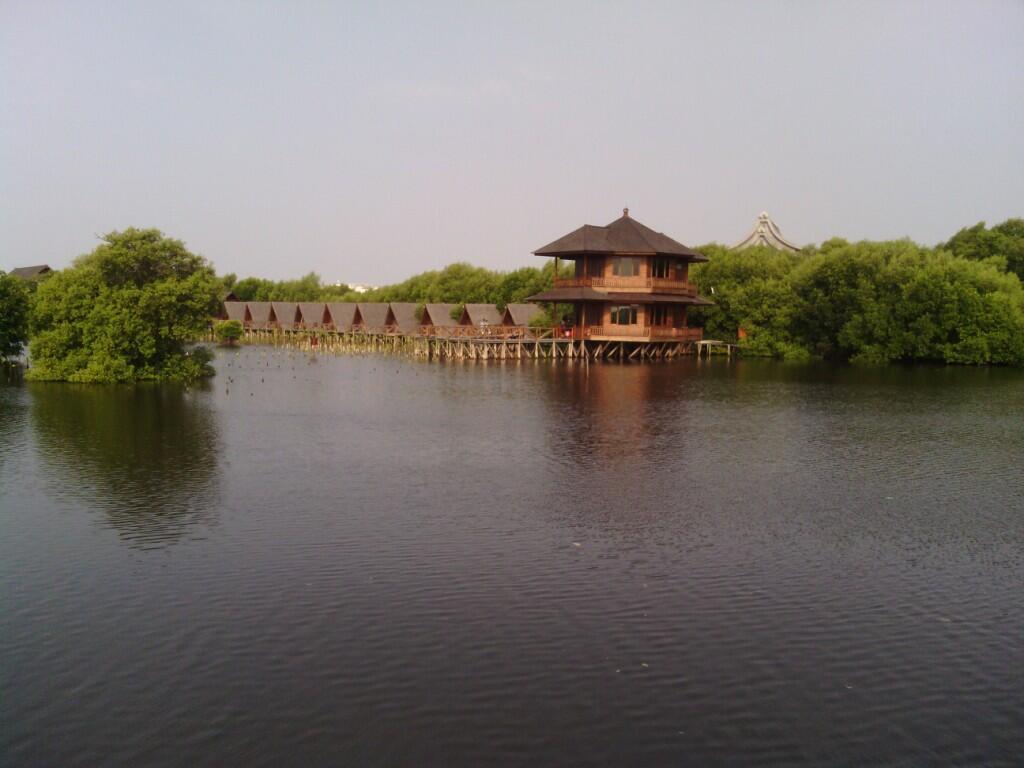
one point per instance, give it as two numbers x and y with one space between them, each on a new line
517 344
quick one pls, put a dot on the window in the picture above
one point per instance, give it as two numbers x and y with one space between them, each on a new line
661 267
624 314
625 266
661 315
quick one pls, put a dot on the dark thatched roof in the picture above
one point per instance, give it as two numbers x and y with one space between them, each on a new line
29 272
439 315
589 294
622 236
520 314
259 312
404 315
312 312
343 313
235 310
374 314
285 312
478 314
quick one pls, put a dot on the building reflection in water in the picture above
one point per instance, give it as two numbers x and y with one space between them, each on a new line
144 456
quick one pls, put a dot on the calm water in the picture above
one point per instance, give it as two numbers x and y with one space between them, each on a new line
379 561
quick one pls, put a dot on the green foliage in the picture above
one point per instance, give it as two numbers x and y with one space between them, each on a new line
465 284
1004 242
228 331
456 313
864 302
124 312
14 309
306 288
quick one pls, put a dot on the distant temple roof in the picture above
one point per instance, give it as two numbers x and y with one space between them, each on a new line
767 232
624 235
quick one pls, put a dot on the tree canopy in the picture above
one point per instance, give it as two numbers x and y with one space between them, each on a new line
865 302
14 309
124 312
1004 242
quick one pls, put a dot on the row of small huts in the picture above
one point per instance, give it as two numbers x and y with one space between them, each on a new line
375 317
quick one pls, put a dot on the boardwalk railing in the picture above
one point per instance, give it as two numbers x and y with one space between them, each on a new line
645 332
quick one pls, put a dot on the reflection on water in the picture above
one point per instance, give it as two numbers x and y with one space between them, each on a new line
380 561
146 456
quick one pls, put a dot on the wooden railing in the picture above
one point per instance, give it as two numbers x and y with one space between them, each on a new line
657 332
660 284
475 331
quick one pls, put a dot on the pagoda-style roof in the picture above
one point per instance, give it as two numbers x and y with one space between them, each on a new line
624 236
767 233
617 297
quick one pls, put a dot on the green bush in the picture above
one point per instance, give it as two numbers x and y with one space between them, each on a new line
125 312
228 331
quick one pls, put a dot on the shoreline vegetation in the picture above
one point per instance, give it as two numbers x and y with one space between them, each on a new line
130 310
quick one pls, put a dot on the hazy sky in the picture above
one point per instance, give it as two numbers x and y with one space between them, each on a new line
369 141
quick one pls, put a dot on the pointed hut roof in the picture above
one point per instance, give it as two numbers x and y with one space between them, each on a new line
520 314
439 315
374 314
766 232
403 314
235 310
343 314
286 313
312 312
477 314
622 236
259 311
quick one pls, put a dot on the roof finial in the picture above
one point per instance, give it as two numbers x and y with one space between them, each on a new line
625 212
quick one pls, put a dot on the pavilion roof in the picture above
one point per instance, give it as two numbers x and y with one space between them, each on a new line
312 311
622 236
259 311
404 315
520 314
477 314
343 313
439 315
235 310
30 272
285 312
373 313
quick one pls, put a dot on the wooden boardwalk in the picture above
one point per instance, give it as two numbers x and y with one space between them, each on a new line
513 344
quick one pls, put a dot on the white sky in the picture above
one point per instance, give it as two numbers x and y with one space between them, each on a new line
370 141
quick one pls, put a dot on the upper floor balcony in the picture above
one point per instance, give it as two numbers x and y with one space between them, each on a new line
631 284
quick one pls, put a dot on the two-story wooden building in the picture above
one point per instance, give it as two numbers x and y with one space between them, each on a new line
631 283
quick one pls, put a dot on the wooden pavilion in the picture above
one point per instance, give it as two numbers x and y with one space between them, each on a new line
631 284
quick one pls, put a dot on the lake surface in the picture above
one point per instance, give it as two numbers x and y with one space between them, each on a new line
382 561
